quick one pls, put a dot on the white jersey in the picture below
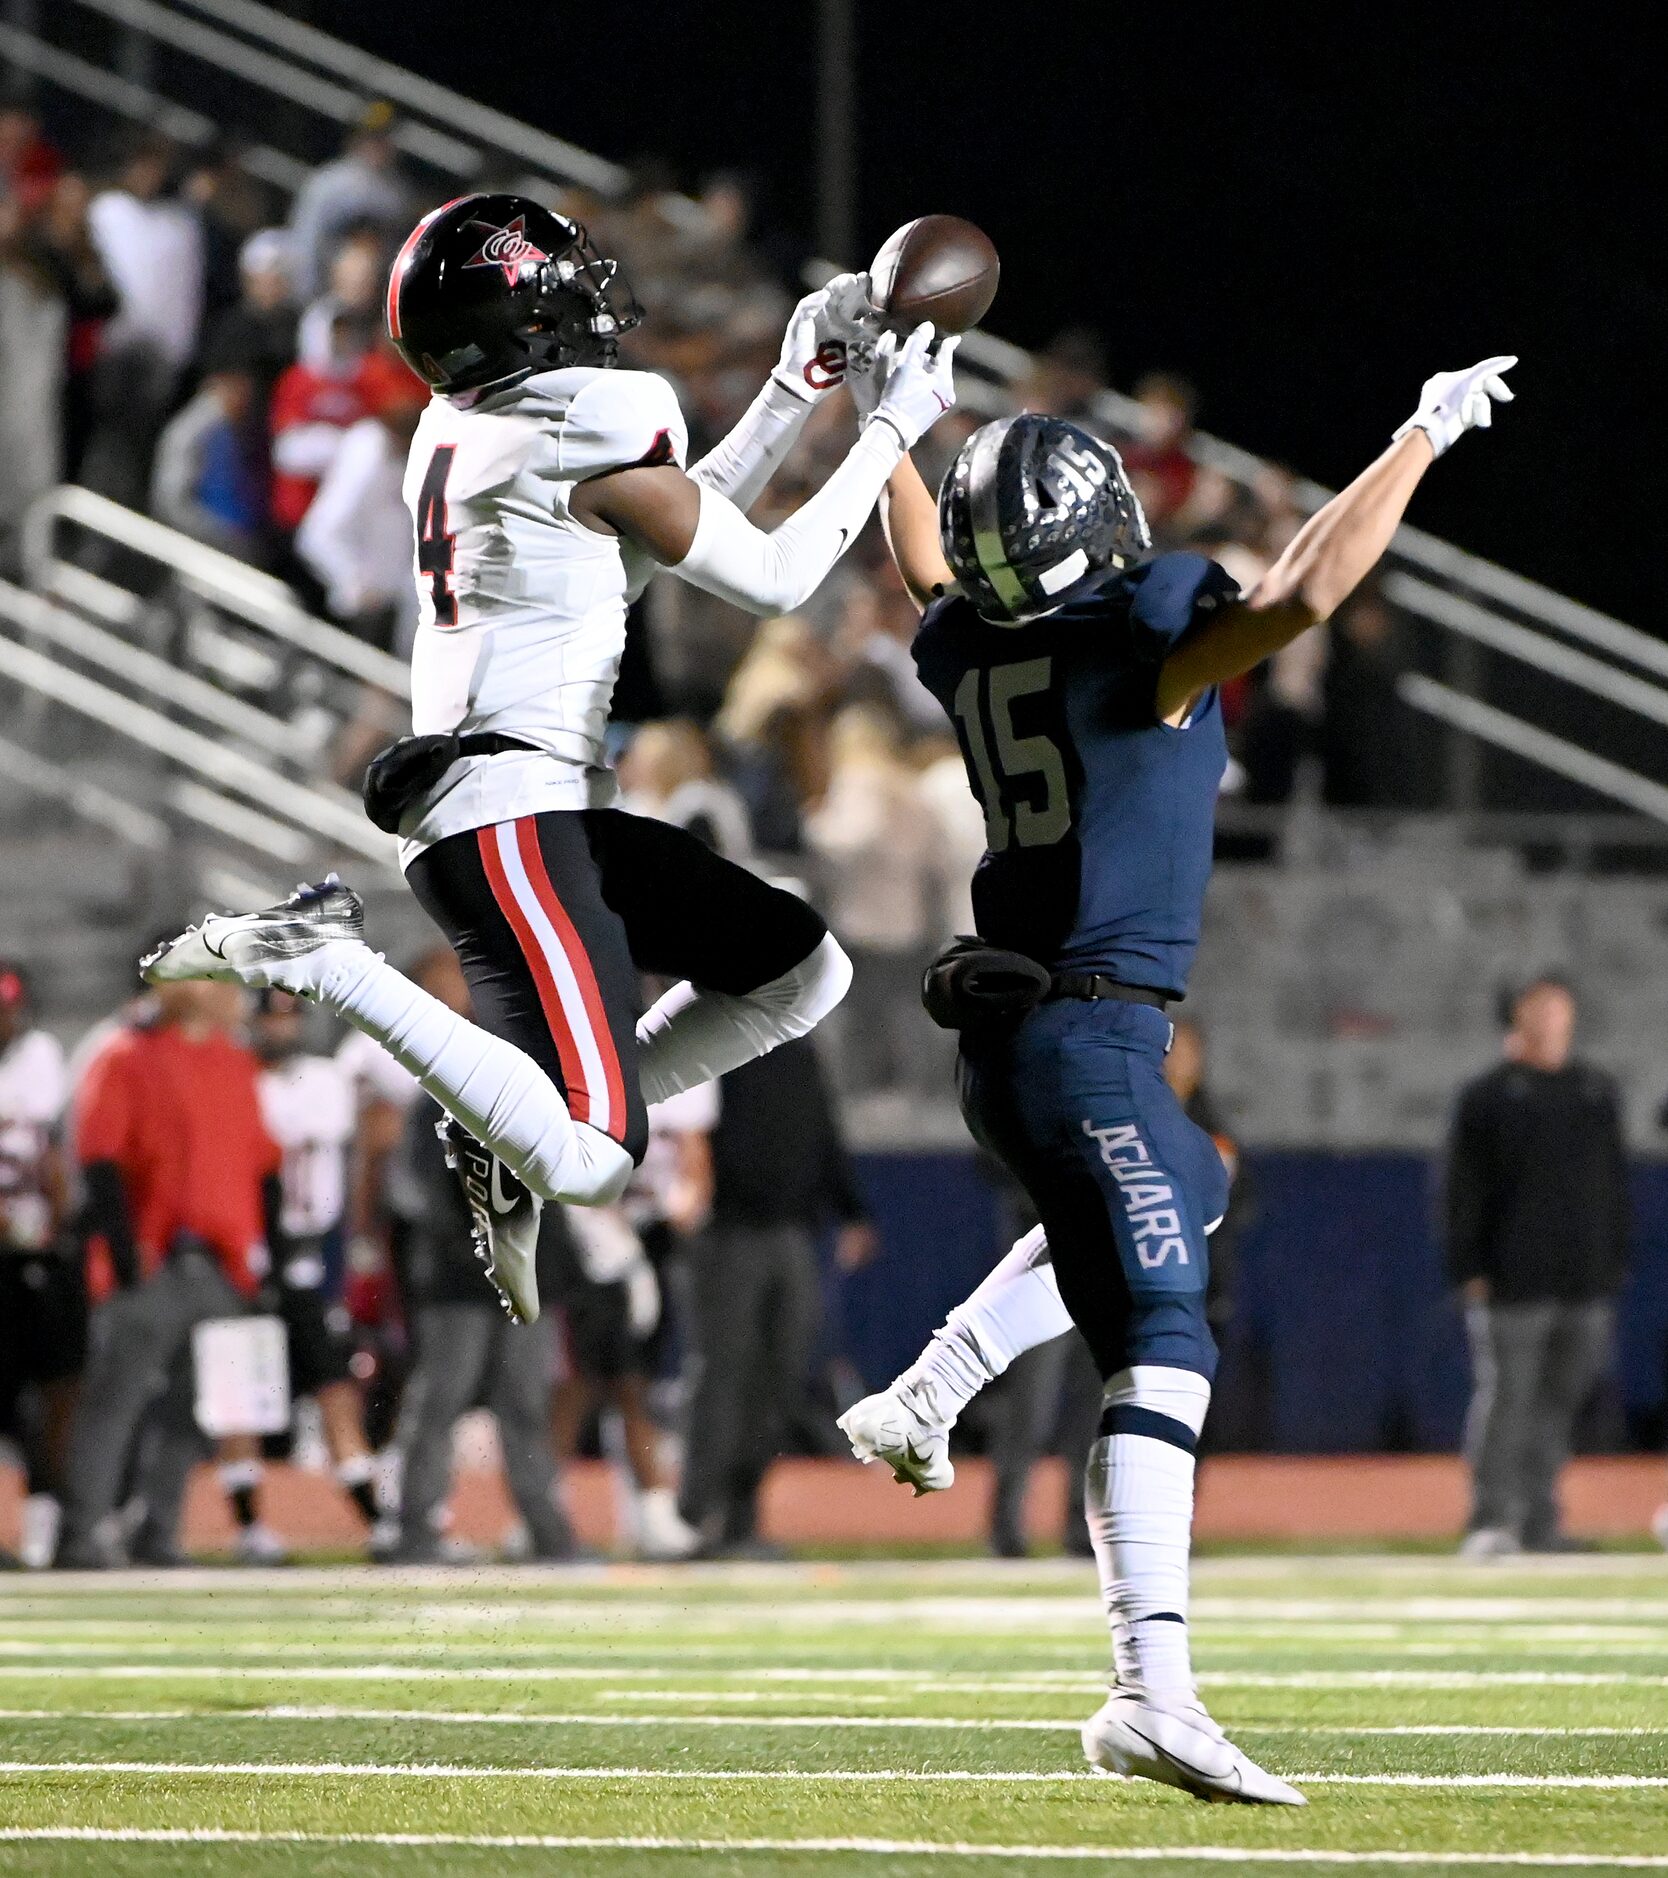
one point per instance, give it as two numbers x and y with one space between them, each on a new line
522 608
32 1093
309 1103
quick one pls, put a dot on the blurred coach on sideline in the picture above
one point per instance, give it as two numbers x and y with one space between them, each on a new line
1537 1244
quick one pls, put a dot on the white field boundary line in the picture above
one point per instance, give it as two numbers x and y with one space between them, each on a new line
1043 1683
948 1776
884 1848
984 1723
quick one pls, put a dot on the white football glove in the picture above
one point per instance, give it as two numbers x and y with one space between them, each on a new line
821 329
916 384
1454 402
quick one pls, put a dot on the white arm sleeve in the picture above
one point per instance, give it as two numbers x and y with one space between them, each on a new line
776 572
744 462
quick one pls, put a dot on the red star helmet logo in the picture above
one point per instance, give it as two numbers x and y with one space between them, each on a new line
507 248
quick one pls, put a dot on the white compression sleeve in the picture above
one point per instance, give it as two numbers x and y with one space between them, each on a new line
497 1091
690 1036
1138 1498
775 572
742 464
1016 1308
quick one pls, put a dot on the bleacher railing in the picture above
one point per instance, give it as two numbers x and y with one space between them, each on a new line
1479 611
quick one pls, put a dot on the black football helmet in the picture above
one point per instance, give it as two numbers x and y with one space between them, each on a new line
489 289
1035 512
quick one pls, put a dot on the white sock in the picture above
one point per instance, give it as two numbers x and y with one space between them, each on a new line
1138 1496
497 1091
1016 1308
691 1036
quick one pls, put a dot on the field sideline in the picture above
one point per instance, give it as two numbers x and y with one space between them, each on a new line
826 1718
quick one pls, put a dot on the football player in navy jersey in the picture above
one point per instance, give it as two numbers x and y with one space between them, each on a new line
1083 683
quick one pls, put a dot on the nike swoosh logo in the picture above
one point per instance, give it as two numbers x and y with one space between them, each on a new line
501 1201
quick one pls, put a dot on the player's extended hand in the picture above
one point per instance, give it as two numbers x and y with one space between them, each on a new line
917 385
820 332
1454 402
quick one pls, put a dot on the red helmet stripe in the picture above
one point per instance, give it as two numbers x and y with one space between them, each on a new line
402 260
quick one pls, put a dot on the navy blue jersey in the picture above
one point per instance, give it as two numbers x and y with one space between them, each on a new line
1099 819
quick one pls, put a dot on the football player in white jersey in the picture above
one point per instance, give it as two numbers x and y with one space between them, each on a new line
547 487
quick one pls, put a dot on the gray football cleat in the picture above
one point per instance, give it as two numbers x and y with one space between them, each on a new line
1174 1741
261 949
506 1219
901 1427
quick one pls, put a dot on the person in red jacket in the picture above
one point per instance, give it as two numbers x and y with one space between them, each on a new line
180 1178
340 377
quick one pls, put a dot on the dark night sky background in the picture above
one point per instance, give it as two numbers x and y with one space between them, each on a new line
1304 210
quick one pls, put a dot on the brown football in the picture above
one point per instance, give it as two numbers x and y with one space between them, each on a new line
936 268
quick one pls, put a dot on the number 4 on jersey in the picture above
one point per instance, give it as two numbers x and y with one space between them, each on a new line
434 543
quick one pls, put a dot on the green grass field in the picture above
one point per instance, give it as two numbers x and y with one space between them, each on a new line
826 1719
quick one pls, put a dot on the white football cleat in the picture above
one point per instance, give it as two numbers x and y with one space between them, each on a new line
901 1427
265 948
506 1218
1174 1741
260 1545
663 1534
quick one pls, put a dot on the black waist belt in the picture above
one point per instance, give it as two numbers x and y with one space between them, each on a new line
407 770
1096 985
491 743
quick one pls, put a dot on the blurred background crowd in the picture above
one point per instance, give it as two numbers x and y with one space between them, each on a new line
178 337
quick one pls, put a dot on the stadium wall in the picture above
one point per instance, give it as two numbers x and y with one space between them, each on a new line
1344 1336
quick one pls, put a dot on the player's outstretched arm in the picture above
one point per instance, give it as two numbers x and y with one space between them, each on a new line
821 332
909 516
1336 548
705 539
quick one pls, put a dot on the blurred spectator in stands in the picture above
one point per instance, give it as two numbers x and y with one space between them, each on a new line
260 327
308 1101
1066 378
781 1173
356 534
1366 760
152 250
34 330
1158 460
230 206
209 477
878 624
611 1308
878 852
957 826
339 378
182 1209
356 284
29 164
61 242
43 1312
668 771
467 1352
1538 1224
774 725
362 186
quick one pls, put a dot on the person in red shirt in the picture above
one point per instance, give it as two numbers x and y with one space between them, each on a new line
340 377
180 1178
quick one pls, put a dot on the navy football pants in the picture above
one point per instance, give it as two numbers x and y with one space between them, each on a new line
1075 1104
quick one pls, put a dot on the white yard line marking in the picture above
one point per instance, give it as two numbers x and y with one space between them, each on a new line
445 1770
1037 1682
885 1848
984 1723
